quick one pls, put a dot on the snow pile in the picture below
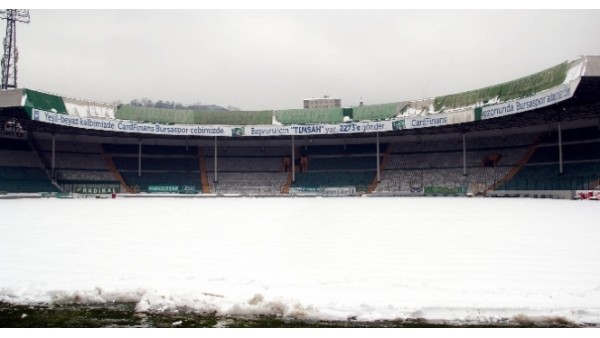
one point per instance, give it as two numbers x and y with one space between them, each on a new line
456 259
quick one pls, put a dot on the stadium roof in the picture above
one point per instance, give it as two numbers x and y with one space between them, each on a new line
567 91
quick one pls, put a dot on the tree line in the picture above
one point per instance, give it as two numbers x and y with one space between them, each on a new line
145 102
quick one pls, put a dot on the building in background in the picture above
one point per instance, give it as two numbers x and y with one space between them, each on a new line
322 102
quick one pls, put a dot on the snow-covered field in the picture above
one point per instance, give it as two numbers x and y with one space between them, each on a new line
316 258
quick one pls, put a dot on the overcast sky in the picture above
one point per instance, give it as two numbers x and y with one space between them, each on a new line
263 59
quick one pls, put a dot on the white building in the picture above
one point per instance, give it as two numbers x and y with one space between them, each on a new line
322 102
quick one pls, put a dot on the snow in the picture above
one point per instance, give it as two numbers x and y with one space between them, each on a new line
452 259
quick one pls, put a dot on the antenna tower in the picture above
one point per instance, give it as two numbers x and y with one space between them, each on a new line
11 55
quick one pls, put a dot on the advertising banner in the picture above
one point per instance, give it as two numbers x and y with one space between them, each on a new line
426 121
547 98
95 189
163 188
319 129
445 190
128 126
330 191
201 130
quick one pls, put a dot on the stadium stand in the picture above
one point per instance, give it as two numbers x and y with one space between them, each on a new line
511 132
247 170
20 169
581 163
77 165
416 167
166 168
351 166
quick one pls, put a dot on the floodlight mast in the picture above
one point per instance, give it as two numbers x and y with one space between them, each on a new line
11 55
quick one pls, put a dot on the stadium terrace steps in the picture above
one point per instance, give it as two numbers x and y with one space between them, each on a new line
548 153
254 164
382 166
345 162
248 182
21 170
574 135
337 166
329 179
249 170
168 168
33 143
581 163
18 158
515 170
415 163
415 166
340 150
203 175
547 177
147 179
288 183
25 180
113 169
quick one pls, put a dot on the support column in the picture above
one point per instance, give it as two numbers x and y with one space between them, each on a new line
216 179
464 154
293 161
378 169
560 152
140 158
53 156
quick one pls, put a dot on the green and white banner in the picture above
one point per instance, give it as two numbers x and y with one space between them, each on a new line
544 99
129 126
96 189
201 130
163 188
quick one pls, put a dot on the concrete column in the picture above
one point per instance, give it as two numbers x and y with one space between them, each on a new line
464 154
53 156
560 152
378 169
216 177
140 158
293 161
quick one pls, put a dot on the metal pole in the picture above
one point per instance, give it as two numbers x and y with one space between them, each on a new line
464 154
560 153
216 178
293 161
53 154
378 169
140 158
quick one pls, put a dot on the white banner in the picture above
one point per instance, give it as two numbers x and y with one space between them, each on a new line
318 129
330 191
547 98
202 130
427 121
129 126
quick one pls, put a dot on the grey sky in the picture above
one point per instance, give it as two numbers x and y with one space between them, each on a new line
257 59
